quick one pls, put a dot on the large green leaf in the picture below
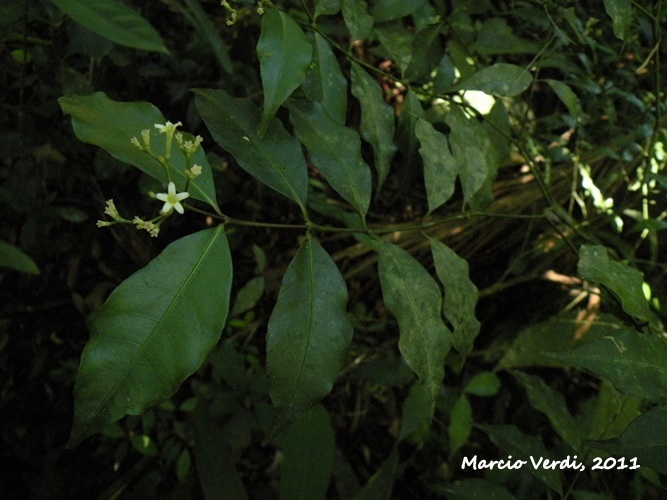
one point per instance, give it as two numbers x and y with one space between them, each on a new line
204 24
623 281
115 21
460 295
326 7
284 55
644 439
98 120
335 150
460 424
386 10
634 362
357 19
426 52
275 159
567 96
377 120
325 82
440 166
308 330
620 12
154 331
413 296
14 258
308 447
397 41
501 79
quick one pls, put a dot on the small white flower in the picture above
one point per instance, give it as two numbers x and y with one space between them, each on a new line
135 142
103 223
111 210
193 172
172 200
168 128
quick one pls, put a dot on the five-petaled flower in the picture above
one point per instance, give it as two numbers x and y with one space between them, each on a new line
172 199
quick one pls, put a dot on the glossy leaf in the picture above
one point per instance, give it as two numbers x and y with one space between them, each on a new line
114 21
644 438
335 150
308 447
552 404
460 295
440 166
620 12
357 19
275 159
501 79
377 120
623 281
413 296
567 97
634 362
325 82
14 258
460 424
111 125
154 331
386 10
308 330
284 55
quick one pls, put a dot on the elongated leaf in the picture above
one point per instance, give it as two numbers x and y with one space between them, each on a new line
416 416
357 19
308 330
275 159
154 331
634 362
460 295
620 12
13 258
552 403
406 138
426 52
413 296
501 79
308 446
484 384
325 82
644 439
397 40
115 21
381 484
386 10
202 22
440 166
622 280
284 55
326 7
111 125
377 121
335 150
496 37
524 447
460 424
567 96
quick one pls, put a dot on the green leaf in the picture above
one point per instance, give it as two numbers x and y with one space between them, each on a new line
460 424
14 258
623 281
326 8
377 121
440 166
567 97
460 295
357 19
501 79
335 150
483 384
153 332
248 296
386 10
325 82
202 23
308 331
417 415
114 21
308 452
275 159
406 139
620 12
552 404
474 489
426 52
413 296
645 438
522 447
98 120
496 37
634 362
284 55
397 41
381 484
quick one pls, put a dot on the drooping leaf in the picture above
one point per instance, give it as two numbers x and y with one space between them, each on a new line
413 296
308 447
381 484
308 330
275 159
634 362
12 257
284 55
111 125
357 19
416 416
324 81
326 8
460 424
620 12
567 96
483 384
440 166
427 51
644 439
623 281
154 331
522 447
501 79
386 10
335 150
377 121
114 21
552 404
406 139
203 23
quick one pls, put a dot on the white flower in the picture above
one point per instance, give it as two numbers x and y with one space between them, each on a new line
172 200
111 210
193 172
168 128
